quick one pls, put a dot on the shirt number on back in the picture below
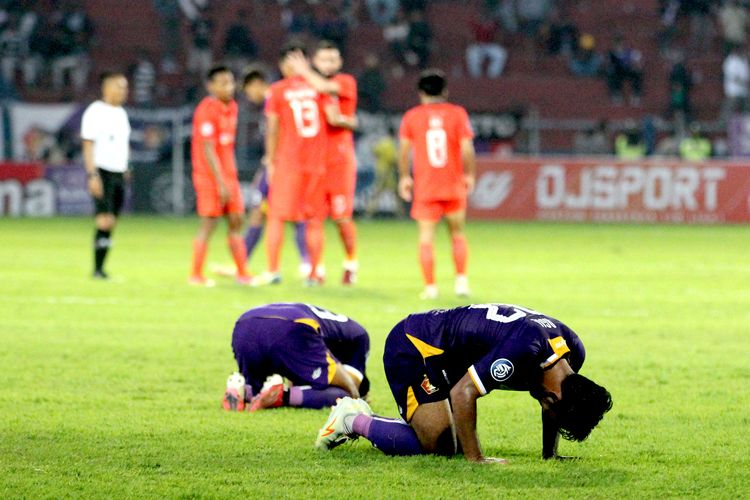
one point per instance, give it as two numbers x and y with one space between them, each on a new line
493 315
437 147
323 314
306 117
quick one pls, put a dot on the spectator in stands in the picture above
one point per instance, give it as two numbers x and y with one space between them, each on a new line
168 12
592 141
73 32
200 56
333 27
736 80
630 144
410 6
625 65
298 19
382 12
485 46
395 35
419 40
586 62
699 12
143 78
695 147
371 84
680 85
239 46
10 48
669 11
532 15
560 33
193 9
733 18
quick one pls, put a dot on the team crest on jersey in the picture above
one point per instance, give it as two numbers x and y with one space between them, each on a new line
501 369
428 387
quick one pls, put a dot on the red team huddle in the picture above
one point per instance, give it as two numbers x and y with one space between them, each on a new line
311 166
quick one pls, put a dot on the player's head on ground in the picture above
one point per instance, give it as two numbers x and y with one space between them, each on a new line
220 83
255 85
327 58
581 406
432 85
114 86
293 47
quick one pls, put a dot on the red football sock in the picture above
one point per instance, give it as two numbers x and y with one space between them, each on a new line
427 261
200 247
239 253
274 241
460 253
348 233
315 239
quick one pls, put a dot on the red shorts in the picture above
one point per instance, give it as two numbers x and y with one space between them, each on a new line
341 184
208 201
434 210
296 196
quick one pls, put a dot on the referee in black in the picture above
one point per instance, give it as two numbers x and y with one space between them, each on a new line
105 134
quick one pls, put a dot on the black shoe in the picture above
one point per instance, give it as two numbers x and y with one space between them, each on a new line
100 275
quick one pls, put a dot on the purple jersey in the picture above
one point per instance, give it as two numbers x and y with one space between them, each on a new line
298 341
501 346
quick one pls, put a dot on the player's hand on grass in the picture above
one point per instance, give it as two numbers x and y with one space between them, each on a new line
470 181
405 186
95 186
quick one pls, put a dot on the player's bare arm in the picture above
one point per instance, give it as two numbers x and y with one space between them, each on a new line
468 157
341 378
405 182
464 397
94 182
209 153
301 66
335 118
272 142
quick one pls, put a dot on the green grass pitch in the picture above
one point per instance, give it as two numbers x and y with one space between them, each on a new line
113 389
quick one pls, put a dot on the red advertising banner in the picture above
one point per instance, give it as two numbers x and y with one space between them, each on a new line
604 190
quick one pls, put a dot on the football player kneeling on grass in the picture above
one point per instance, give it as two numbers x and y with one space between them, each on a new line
438 364
321 354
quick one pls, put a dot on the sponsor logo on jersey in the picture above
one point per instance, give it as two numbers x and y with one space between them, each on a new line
544 322
428 387
501 369
317 372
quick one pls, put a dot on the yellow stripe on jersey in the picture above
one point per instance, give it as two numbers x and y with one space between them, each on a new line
309 322
425 349
559 349
331 367
411 403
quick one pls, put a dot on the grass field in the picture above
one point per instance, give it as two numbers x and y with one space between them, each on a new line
113 389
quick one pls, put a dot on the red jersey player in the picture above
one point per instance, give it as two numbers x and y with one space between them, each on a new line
440 135
295 155
217 187
341 162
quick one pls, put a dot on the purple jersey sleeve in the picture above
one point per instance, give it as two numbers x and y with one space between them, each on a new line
539 344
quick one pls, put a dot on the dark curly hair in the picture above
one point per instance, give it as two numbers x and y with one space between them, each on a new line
581 407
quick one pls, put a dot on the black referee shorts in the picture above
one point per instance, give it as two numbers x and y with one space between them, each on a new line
113 193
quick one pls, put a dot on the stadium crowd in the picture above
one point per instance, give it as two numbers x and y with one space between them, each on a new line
48 50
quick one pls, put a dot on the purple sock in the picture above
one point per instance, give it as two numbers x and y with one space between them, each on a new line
306 397
252 236
391 436
300 239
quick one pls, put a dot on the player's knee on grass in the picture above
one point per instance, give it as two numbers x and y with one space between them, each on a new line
432 423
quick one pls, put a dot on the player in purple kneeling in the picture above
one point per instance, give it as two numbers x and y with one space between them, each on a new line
438 364
320 353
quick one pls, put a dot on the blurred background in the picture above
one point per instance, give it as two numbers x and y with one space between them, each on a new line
630 80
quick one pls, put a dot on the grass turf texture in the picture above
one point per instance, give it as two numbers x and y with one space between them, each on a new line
113 389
